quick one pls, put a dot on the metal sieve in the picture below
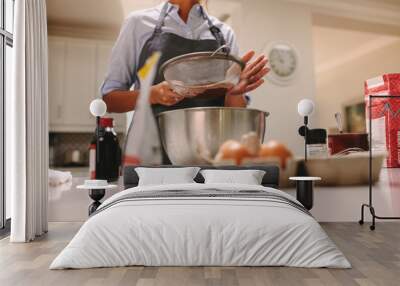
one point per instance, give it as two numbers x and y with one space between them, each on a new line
196 73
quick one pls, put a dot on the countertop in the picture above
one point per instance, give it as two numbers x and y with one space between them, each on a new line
67 203
342 203
75 171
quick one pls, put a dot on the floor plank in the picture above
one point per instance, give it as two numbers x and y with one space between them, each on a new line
375 257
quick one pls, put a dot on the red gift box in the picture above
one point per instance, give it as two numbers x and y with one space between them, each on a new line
385 114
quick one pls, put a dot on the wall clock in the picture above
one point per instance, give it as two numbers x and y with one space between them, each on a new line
283 61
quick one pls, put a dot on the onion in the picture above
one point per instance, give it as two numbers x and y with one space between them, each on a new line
276 149
232 150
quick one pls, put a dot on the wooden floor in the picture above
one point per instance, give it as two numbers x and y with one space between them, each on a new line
375 257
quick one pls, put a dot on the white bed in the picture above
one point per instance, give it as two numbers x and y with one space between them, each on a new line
239 229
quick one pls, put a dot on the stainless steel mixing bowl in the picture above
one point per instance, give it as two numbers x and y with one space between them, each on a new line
193 136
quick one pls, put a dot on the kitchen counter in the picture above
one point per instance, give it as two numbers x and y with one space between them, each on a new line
69 204
330 203
343 203
75 171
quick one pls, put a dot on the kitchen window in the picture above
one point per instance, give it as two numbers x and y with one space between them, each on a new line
6 66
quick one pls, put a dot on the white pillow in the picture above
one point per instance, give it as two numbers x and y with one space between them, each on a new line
166 176
247 177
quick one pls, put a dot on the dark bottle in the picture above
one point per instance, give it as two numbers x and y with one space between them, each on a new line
109 157
92 157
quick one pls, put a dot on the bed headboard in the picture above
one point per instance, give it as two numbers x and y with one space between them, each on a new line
271 177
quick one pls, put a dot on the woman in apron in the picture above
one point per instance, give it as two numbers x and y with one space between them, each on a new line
173 28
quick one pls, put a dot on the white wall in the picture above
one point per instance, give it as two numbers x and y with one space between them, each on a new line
257 23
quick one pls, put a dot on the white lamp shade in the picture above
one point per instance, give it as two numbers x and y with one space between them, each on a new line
98 107
305 107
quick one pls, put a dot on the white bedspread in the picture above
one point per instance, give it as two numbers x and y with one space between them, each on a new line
200 231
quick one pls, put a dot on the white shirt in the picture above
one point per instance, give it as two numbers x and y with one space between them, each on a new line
138 28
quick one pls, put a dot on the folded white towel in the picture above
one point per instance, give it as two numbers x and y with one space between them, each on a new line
57 178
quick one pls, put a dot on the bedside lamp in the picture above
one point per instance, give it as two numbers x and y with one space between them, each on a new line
305 108
98 108
304 185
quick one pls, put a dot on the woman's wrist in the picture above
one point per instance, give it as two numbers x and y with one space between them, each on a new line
163 94
153 96
120 101
237 100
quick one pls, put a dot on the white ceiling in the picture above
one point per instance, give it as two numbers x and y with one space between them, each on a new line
334 47
108 14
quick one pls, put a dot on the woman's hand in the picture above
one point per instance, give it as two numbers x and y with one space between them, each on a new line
252 75
162 94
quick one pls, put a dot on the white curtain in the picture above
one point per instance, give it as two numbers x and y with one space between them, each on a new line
27 123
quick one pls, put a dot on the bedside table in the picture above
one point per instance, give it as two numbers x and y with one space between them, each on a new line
97 190
304 190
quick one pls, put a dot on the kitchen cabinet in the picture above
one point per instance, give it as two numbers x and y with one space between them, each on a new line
56 80
79 87
103 53
76 71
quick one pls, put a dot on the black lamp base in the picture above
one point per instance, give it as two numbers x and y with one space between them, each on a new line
305 193
96 195
305 190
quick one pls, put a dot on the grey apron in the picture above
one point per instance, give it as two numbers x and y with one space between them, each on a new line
171 45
